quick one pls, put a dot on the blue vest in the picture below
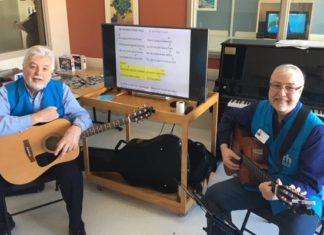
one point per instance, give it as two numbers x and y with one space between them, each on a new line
20 104
262 119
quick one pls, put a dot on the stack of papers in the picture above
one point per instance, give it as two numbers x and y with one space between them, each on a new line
301 44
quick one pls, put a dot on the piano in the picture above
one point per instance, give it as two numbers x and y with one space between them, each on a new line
246 66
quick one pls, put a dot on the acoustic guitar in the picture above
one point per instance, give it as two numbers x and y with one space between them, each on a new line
253 168
27 155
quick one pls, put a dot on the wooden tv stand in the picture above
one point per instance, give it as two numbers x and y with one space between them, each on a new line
126 103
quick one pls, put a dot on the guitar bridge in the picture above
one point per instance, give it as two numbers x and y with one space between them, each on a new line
29 151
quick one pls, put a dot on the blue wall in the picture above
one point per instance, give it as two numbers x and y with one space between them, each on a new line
245 16
318 18
218 20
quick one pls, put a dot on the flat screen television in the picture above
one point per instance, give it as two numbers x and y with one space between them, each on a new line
167 61
297 25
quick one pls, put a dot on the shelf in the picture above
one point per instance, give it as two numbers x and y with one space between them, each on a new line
114 181
126 103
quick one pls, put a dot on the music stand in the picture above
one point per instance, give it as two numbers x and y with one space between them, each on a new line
227 227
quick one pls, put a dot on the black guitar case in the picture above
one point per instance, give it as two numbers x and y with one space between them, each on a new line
153 163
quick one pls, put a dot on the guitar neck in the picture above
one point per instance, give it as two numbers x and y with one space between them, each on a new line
254 169
104 127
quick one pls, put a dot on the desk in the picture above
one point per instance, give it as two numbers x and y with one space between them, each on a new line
84 74
126 103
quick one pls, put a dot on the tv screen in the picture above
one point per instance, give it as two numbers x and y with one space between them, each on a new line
158 60
297 23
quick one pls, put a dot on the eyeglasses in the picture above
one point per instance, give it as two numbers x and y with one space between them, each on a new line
289 89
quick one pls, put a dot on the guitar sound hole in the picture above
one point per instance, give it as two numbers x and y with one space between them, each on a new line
51 143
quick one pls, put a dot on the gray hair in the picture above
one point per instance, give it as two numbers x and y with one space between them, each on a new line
39 50
289 68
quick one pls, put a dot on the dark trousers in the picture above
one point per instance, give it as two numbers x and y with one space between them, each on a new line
70 180
229 195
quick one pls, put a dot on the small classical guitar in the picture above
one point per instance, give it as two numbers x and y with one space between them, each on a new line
253 171
27 155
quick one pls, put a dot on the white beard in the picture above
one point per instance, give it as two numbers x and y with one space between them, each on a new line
35 87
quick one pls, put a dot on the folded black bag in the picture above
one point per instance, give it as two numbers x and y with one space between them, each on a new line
202 164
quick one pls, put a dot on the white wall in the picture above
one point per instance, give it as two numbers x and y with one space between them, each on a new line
55 15
57 26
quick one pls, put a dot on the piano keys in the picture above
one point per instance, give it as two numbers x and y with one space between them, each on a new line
237 103
318 111
241 103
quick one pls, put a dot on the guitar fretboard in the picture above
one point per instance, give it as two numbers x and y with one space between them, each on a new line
253 168
104 127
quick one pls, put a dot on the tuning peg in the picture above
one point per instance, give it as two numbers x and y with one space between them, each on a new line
303 193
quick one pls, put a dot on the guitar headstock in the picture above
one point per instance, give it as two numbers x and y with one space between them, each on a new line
141 114
295 200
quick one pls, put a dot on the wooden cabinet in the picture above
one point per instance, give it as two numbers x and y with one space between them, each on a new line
126 103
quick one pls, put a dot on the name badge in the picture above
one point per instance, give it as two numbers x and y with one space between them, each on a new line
261 136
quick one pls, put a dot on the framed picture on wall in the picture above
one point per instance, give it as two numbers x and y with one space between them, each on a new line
207 5
121 11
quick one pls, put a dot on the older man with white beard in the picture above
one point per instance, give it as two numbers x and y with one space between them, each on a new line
37 99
